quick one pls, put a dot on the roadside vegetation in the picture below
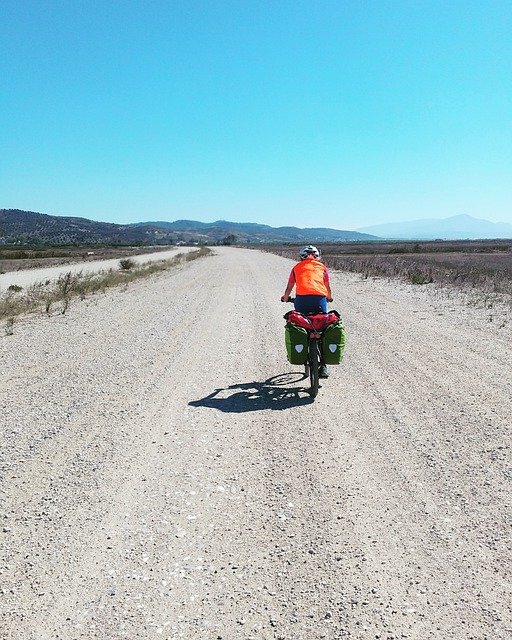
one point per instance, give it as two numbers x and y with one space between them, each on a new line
55 296
482 266
15 258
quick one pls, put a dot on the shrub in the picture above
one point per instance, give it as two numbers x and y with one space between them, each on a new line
419 277
15 288
67 283
126 264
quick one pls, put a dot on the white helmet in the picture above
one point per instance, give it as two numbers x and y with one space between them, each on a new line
309 250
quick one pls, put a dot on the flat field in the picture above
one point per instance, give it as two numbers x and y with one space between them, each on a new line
482 265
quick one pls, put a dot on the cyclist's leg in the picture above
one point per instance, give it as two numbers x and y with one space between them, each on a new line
324 372
311 304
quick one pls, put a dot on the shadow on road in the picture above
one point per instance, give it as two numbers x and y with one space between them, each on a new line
274 393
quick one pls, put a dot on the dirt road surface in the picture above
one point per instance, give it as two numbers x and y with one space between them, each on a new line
166 475
27 277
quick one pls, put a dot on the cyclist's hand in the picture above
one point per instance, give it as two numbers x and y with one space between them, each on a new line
285 299
329 299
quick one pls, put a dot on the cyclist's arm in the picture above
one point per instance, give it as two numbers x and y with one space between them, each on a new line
289 286
327 284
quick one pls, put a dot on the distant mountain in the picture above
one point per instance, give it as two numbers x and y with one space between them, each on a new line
29 227
253 232
461 227
183 225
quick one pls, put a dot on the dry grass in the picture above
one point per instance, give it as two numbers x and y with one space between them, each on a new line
17 258
55 296
480 266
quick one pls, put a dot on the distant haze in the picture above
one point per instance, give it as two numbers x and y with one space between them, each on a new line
462 227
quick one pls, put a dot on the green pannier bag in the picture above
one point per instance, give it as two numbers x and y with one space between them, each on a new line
296 339
333 343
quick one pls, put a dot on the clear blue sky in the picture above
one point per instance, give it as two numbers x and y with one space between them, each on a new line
318 113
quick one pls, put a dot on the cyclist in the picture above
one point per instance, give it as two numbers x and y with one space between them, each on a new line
311 281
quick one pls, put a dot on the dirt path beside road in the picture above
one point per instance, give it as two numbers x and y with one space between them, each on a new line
166 475
27 277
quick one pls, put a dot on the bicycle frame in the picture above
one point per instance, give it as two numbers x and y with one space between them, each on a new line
314 361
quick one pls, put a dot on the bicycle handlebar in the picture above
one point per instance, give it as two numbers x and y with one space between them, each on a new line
292 300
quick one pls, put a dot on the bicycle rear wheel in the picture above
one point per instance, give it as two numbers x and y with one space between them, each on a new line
314 366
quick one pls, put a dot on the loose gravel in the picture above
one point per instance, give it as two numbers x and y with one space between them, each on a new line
165 473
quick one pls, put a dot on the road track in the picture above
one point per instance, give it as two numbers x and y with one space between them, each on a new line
166 475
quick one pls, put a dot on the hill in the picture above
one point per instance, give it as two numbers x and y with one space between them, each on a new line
28 227
252 232
461 227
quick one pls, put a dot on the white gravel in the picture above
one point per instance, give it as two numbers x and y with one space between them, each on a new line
165 474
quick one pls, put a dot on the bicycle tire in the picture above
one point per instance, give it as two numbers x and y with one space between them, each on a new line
314 366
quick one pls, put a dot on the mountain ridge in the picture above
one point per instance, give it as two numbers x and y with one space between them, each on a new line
29 227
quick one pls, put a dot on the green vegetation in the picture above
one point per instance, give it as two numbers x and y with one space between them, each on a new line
47 295
229 240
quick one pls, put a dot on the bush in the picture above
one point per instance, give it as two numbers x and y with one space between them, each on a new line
417 276
67 283
15 288
126 264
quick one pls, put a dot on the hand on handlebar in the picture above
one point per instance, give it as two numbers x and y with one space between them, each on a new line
329 299
285 298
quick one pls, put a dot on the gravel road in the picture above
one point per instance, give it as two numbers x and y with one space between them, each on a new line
28 277
165 474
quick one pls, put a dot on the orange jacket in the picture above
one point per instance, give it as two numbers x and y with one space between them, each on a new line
310 277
